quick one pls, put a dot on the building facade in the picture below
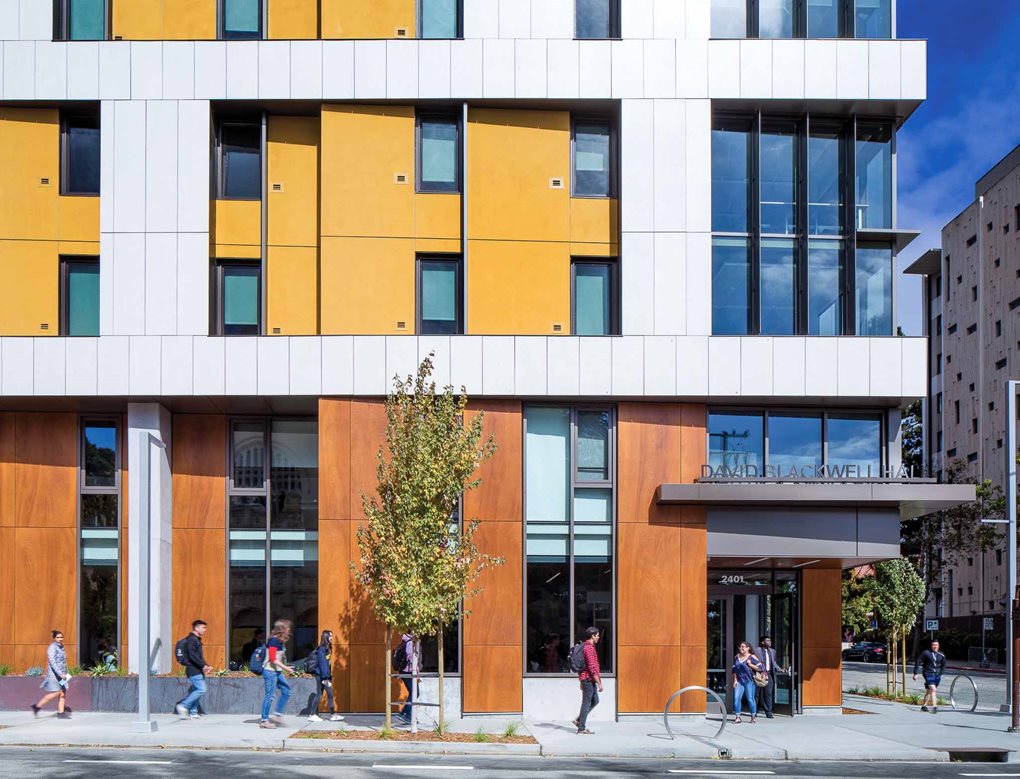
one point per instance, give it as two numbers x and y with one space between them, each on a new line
652 239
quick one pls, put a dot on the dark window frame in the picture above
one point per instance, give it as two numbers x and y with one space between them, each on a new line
67 261
846 22
614 154
419 18
219 169
69 119
614 292
217 326
62 21
420 186
221 20
615 23
419 260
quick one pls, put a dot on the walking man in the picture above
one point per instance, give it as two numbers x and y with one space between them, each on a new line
411 669
931 662
56 678
767 657
196 668
273 674
590 678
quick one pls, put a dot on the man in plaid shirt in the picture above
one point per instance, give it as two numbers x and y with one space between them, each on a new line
591 681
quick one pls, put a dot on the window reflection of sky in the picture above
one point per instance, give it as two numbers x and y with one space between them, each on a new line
855 441
795 441
736 440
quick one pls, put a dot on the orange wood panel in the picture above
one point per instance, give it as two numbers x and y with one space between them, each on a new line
199 583
44 588
7 564
34 655
364 626
335 578
647 676
341 676
334 458
693 662
496 612
692 585
649 562
368 433
7 657
821 599
648 454
46 470
367 666
492 679
693 440
7 467
199 471
500 495
822 677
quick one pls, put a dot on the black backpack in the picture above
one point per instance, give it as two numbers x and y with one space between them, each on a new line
400 658
575 660
312 662
181 650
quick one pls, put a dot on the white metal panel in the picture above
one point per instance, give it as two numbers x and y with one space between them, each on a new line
129 282
466 363
788 69
177 365
669 280
210 70
144 365
370 365
628 364
820 69
19 70
36 20
637 289
81 358
531 365
481 18
50 70
16 373
498 365
723 366
913 70
466 68
48 355
530 68
82 70
637 18
660 68
628 68
273 365
434 69
698 138
242 69
146 70
596 365
106 264
692 69
563 75
113 365
563 371
515 18
9 20
853 366
306 365
337 365
439 347
670 177
129 167
884 70
369 69
789 371
724 68
637 165
178 70
337 69
401 357
756 366
210 365
660 365
401 69
107 115
852 70
698 285
755 69
886 367
160 283
193 134
914 367
498 68
596 58
114 70
305 70
241 366
692 366
161 144
274 70
552 19
699 20
669 18
821 367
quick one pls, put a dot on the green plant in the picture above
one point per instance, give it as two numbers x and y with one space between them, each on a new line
74 670
386 732
481 736
5 669
103 669
220 672
510 731
441 727
243 668
34 671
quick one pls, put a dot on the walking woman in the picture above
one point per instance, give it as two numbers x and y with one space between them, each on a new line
273 674
744 666
55 681
324 678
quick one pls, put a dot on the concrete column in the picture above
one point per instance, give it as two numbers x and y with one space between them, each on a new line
154 419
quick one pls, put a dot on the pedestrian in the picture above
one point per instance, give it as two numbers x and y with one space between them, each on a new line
767 657
931 662
195 667
273 674
56 678
590 679
322 658
411 650
744 666
258 639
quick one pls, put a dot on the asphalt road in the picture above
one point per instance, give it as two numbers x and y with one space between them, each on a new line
28 763
991 687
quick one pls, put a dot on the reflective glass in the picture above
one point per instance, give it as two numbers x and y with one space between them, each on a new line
439 304
98 591
855 441
294 585
240 300
777 287
547 472
83 298
249 447
241 18
823 18
592 446
824 271
775 18
778 182
730 286
439 152
82 165
874 18
592 143
451 651
87 20
438 18
730 178
240 146
548 615
100 454
99 511
592 299
736 441
873 291
729 18
593 19
247 585
294 475
795 441
874 176
593 604
825 190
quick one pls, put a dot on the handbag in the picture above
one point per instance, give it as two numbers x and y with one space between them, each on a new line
761 678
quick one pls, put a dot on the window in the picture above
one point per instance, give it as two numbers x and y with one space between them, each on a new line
874 175
938 441
99 534
79 155
729 18
951 329
596 18
974 425
951 452
569 499
938 325
972 457
938 403
237 302
594 304
873 18
731 286
998 328
440 292
79 296
854 440
439 19
973 293
970 242
801 18
1000 364
795 440
239 160
938 363
873 290
273 521
736 441
989 226
825 18
971 329
956 411
438 153
998 557
80 20
593 158
1016 212
775 18
240 19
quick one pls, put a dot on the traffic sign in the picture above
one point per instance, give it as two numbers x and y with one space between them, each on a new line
931 624
989 623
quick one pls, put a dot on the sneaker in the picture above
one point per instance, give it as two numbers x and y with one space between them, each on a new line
314 718
63 715
68 709
267 725
935 710
403 718
196 715
924 708
181 711
586 732
35 710
278 719
336 718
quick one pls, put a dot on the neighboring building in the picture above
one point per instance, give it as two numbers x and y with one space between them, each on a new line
971 295
642 248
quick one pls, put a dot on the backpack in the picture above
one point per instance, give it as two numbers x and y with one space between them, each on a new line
400 658
575 660
312 662
258 660
181 651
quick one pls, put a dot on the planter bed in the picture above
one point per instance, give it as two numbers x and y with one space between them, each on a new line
424 736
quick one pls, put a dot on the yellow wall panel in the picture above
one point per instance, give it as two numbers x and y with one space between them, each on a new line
292 286
437 216
29 152
293 19
363 148
294 164
594 220
367 18
29 277
237 222
78 218
86 248
437 245
233 251
512 156
518 288
367 285
137 20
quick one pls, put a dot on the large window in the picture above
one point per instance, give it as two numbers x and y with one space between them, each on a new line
439 19
569 510
238 156
594 158
79 154
596 18
79 296
79 20
438 153
594 299
237 298
273 521
801 18
440 292
874 175
240 19
99 545
873 293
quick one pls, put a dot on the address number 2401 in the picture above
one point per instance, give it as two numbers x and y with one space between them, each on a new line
732 579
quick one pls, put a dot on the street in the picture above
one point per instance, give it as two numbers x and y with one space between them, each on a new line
991 687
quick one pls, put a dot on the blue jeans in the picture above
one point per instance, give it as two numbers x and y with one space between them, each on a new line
745 690
406 710
195 693
274 679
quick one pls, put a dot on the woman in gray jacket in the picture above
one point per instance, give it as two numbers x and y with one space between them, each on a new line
56 677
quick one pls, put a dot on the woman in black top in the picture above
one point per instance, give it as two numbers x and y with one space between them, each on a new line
931 662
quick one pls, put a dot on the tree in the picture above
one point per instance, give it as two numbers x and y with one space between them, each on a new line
858 605
417 566
898 594
912 437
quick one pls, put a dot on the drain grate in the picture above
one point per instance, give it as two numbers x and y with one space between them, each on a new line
977 755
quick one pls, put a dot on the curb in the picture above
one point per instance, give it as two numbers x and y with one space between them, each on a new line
416 747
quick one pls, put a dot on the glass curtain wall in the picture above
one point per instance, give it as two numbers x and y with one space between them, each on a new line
801 19
732 182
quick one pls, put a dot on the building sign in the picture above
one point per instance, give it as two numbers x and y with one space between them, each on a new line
931 624
850 472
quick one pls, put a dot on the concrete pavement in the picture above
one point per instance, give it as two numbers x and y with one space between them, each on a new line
991 685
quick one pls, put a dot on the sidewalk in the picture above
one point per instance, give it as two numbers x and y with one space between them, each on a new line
888 731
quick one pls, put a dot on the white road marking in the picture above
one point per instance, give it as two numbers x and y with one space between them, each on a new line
716 771
124 762
426 767
989 774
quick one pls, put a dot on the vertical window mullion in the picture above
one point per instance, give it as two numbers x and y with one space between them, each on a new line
754 326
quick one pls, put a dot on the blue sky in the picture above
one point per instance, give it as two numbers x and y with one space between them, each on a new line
970 120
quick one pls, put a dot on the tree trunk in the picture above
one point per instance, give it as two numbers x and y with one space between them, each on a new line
389 682
441 723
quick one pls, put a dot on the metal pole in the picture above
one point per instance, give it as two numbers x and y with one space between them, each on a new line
1011 390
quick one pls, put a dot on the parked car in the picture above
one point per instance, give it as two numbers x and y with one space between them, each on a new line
868 651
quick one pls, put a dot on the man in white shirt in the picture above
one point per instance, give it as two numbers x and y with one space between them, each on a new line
767 656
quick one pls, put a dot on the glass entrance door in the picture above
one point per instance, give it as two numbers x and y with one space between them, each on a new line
718 650
784 632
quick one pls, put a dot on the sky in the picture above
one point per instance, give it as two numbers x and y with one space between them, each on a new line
969 122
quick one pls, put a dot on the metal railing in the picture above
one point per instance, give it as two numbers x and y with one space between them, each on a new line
678 693
952 690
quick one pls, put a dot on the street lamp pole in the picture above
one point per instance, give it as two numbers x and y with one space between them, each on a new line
1011 654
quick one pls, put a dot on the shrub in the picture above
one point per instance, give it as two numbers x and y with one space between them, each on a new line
35 670
481 736
511 729
386 733
5 669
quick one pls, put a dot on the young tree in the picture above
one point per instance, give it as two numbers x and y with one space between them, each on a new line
858 605
898 595
417 566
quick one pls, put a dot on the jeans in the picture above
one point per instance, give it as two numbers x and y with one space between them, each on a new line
197 690
406 710
745 690
274 679
589 700
320 686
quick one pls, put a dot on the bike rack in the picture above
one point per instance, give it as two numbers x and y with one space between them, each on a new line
952 687
678 693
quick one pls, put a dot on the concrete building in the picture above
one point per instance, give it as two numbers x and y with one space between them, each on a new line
653 239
